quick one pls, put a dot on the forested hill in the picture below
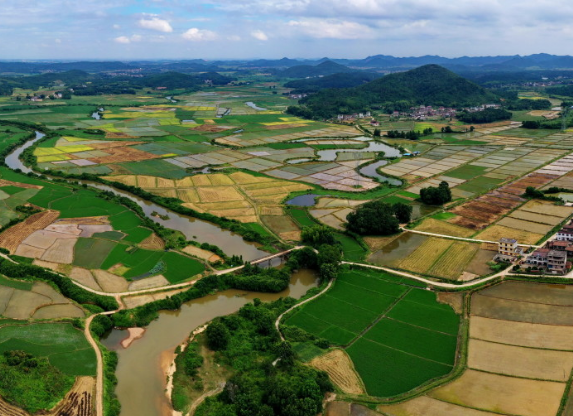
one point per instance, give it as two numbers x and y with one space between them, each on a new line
324 68
428 84
343 80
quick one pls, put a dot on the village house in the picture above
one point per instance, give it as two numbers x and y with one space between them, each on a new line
554 261
508 250
557 261
565 234
538 258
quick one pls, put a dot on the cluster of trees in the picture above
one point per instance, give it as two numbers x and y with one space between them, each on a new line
64 284
436 195
533 193
256 279
410 135
327 260
489 115
527 104
258 387
562 90
31 383
378 218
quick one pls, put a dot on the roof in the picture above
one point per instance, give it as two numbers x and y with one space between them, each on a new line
557 253
559 243
508 240
541 252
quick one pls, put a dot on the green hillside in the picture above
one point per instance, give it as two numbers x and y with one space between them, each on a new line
429 85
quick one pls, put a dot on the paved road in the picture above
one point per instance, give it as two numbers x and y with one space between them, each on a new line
467 285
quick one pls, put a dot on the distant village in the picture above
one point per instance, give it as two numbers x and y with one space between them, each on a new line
421 113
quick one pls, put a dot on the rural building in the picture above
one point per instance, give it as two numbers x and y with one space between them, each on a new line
508 250
538 258
557 261
565 235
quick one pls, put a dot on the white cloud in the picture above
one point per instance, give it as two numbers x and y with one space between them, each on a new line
122 39
58 41
157 24
234 38
126 40
199 35
333 29
116 26
259 35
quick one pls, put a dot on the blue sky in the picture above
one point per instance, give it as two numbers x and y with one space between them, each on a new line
244 29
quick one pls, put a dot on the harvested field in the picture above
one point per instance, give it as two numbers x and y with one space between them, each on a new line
79 401
525 225
29 251
23 304
376 243
62 251
4 182
239 196
341 371
561 295
149 283
548 208
534 217
515 310
59 311
522 333
496 393
202 254
6 409
453 262
478 265
153 242
45 239
519 361
13 237
427 406
423 258
431 225
495 232
110 282
84 277
454 299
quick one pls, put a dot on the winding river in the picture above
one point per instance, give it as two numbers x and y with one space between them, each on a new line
140 372
141 380
192 228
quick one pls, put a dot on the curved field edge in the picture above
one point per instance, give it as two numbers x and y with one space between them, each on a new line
457 367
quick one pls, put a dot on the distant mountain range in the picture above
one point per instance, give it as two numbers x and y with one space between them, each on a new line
307 68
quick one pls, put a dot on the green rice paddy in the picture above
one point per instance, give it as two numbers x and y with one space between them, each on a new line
397 335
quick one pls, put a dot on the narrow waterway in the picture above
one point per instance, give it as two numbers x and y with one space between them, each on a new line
192 228
141 381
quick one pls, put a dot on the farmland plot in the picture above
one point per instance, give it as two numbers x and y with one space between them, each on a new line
398 336
524 350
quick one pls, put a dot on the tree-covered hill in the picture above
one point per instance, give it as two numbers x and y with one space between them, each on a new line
322 69
340 80
429 85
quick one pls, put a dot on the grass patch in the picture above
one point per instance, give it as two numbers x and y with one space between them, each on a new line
63 345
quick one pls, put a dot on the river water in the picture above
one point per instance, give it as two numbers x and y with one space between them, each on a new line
192 228
141 381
